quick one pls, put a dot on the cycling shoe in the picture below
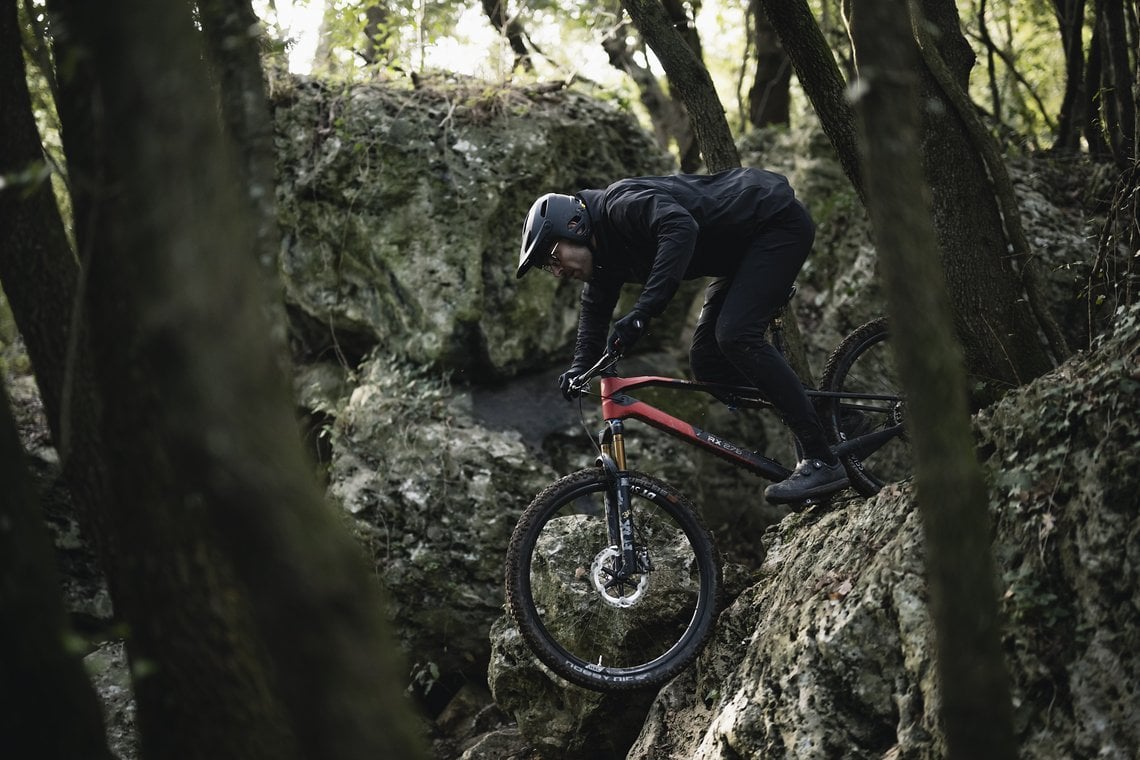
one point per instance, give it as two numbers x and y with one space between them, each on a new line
811 479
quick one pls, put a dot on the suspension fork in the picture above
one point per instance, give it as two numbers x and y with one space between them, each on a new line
619 513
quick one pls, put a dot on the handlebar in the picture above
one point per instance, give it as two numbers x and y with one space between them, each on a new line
582 381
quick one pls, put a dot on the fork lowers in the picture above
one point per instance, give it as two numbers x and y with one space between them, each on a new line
611 442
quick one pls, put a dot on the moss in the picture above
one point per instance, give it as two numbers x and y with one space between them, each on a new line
402 209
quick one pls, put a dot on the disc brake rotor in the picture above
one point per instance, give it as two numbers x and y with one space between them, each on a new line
625 594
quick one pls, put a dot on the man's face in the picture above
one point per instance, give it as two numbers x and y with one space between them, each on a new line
572 260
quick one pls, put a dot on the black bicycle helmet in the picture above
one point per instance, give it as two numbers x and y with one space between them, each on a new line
551 218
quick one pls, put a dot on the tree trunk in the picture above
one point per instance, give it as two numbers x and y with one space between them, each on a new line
1119 103
691 80
688 148
165 577
1071 21
512 30
208 481
976 709
769 99
44 288
993 321
47 706
679 18
1094 69
229 31
992 314
229 28
667 116
991 64
819 75
379 47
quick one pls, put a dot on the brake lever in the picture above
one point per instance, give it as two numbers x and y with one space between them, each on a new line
580 385
604 366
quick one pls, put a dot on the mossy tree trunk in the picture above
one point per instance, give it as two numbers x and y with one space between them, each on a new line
820 77
992 315
671 124
976 710
770 97
230 32
47 706
689 77
199 669
256 629
42 282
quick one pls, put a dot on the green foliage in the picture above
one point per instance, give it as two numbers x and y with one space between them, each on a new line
1028 62
363 39
1029 602
365 35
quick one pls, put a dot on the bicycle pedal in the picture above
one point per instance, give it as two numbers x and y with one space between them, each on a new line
814 504
800 506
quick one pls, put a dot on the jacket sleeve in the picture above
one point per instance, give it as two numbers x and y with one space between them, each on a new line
597 307
671 231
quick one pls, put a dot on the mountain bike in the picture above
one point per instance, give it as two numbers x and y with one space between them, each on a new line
611 575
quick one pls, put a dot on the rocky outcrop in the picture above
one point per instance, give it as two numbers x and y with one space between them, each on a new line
433 497
402 208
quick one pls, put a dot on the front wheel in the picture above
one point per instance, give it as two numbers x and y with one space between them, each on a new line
588 629
863 369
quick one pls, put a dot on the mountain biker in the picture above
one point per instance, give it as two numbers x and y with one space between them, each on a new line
745 229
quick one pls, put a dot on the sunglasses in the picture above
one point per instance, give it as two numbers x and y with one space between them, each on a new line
553 263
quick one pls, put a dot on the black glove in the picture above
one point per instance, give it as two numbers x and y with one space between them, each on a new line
626 332
564 381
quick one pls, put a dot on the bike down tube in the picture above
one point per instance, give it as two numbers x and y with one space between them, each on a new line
617 406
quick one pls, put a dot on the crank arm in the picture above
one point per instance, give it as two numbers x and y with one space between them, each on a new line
865 445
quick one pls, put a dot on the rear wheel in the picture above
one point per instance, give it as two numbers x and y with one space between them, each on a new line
593 631
864 364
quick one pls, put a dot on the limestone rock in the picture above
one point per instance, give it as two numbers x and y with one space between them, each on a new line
402 208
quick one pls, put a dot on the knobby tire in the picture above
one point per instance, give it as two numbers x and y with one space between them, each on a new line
863 363
560 549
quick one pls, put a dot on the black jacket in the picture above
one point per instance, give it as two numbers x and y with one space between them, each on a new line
659 231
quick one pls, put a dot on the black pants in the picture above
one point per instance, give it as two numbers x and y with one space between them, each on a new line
729 345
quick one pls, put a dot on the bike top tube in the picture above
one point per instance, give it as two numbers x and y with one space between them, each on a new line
616 404
613 385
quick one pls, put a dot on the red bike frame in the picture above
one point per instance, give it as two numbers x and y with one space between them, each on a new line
617 406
